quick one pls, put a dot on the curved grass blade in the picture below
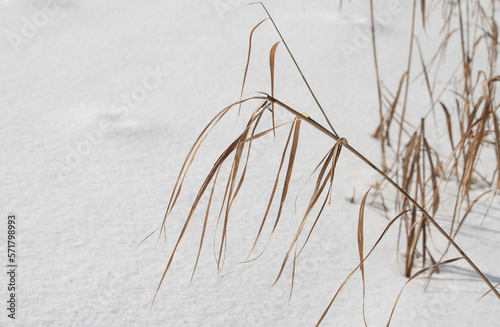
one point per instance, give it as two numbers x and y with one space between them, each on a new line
415 276
248 59
360 247
272 55
355 269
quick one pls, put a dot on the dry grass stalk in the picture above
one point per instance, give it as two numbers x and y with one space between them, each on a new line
420 178
379 90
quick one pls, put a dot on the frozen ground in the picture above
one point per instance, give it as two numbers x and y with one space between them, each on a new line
100 102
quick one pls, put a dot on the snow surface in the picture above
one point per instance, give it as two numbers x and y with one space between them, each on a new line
89 175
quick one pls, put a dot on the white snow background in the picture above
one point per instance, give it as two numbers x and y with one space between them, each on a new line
100 102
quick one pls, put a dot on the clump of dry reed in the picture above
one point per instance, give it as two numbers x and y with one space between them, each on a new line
417 172
470 120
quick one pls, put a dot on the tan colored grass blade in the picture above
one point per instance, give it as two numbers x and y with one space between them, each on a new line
422 7
435 188
465 57
448 124
223 203
248 58
355 269
467 212
474 147
487 292
272 55
415 276
149 235
205 222
379 89
426 74
407 85
360 247
494 45
288 176
261 134
293 275
380 133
